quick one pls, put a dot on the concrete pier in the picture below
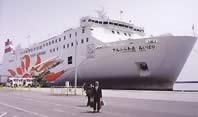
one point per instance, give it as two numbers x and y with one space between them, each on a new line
118 103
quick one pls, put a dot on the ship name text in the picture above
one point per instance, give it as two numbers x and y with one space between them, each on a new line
139 48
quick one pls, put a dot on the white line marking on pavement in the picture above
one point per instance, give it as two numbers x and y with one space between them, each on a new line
3 114
58 110
21 109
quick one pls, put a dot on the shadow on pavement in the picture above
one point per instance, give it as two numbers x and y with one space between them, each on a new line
82 106
87 112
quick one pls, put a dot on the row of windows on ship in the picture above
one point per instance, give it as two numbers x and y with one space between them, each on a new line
115 24
68 45
114 32
51 43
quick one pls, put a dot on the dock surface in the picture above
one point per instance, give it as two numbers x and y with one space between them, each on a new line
118 103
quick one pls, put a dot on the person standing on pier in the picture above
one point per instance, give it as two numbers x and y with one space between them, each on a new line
89 92
97 93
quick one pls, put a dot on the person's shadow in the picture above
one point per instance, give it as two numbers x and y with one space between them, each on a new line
82 106
87 112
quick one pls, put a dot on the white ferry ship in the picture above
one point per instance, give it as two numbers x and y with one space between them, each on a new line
102 49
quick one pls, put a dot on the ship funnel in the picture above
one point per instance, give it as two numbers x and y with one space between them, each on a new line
8 46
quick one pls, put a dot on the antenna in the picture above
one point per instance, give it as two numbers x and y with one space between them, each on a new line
121 12
101 13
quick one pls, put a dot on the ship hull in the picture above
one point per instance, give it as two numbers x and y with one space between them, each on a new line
117 67
148 63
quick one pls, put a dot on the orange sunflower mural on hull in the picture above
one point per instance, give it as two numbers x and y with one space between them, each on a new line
38 69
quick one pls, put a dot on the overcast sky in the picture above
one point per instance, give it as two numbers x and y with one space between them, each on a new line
30 21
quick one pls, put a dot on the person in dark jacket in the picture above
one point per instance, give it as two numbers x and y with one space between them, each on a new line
89 92
97 93
84 87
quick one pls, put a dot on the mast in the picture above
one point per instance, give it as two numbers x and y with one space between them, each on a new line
76 69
